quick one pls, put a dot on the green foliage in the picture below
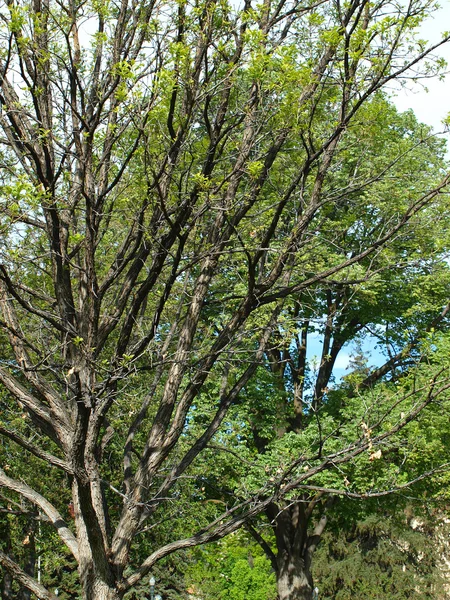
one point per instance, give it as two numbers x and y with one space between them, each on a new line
176 185
380 557
233 569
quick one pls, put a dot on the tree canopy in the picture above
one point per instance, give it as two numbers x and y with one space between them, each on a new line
186 187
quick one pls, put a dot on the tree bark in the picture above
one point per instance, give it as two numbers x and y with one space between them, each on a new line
294 579
6 582
96 574
99 590
295 548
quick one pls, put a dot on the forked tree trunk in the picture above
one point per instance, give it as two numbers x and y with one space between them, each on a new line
93 584
100 591
295 548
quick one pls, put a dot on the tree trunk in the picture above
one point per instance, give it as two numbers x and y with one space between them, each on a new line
295 548
6 589
99 590
93 584
294 579
96 574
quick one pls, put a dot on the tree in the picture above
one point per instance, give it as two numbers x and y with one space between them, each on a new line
164 178
392 461
290 400
369 549
380 556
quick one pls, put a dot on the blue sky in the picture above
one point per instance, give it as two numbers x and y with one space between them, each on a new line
368 346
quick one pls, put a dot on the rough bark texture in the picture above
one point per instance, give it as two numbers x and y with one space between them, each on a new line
296 540
294 581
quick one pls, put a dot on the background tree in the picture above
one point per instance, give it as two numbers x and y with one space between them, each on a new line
381 555
165 176
398 307
234 568
372 549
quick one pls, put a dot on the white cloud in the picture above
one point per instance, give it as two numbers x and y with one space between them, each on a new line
342 361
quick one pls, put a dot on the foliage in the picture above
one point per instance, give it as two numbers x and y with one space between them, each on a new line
380 556
233 568
188 190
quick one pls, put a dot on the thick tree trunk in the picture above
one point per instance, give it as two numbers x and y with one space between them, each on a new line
96 573
295 548
93 584
99 590
294 579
